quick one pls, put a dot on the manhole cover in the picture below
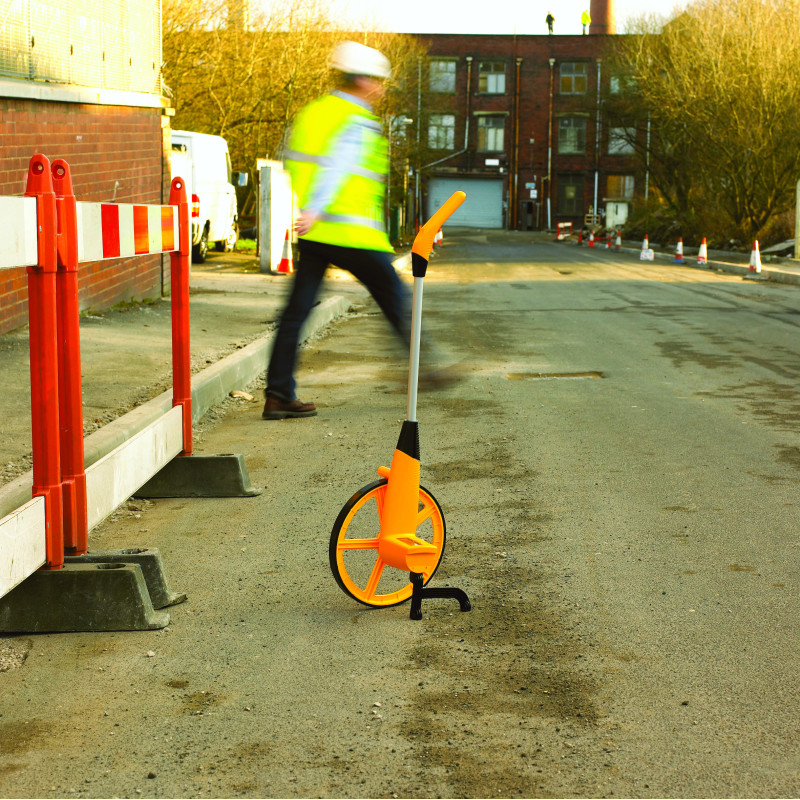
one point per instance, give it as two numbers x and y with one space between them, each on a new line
552 376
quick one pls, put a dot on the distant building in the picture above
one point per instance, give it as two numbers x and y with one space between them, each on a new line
83 82
520 126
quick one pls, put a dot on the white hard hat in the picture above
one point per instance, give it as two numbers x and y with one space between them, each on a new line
358 59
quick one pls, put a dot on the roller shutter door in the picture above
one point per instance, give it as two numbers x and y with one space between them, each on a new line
483 207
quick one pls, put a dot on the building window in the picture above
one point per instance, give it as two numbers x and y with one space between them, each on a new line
620 187
492 77
490 133
619 84
573 77
620 141
571 135
570 195
442 77
441 131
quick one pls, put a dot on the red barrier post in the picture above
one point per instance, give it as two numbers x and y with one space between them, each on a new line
179 290
44 360
70 396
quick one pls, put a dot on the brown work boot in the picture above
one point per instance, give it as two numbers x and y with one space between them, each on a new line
276 408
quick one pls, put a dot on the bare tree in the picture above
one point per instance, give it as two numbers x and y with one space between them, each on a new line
719 83
246 78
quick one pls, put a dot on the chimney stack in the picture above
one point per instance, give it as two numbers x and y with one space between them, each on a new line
603 16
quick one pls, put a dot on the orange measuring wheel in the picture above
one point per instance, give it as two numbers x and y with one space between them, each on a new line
355 562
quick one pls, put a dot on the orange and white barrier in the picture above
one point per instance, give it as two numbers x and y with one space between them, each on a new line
755 259
286 265
678 252
106 230
564 230
48 232
702 255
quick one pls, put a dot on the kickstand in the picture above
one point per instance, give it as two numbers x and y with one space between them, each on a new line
418 593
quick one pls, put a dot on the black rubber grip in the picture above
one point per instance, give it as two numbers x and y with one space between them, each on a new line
419 265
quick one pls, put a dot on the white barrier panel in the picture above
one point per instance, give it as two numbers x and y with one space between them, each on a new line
115 477
22 544
115 230
18 232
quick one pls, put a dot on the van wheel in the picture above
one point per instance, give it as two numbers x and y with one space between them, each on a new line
200 250
227 244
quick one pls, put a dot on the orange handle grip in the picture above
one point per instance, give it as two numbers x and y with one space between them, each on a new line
423 243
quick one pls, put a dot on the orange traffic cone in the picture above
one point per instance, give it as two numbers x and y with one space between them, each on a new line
580 238
646 243
702 256
618 242
591 239
608 241
438 238
679 252
755 259
286 266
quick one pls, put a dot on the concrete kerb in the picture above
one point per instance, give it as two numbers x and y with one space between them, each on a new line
769 271
209 387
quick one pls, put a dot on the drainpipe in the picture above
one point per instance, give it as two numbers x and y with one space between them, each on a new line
647 162
597 143
550 146
797 222
468 107
515 216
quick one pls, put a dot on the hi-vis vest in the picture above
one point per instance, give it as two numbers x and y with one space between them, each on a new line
355 217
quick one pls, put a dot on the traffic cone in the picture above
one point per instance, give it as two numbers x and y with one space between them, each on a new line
608 242
702 256
438 238
286 267
591 239
618 242
679 252
580 238
755 259
646 243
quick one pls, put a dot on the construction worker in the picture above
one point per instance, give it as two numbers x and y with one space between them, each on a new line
549 19
586 21
337 158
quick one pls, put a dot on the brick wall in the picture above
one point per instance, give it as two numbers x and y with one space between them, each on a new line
527 108
115 153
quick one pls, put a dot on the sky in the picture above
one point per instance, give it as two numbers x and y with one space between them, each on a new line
488 16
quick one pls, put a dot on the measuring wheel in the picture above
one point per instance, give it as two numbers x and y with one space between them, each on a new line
353 552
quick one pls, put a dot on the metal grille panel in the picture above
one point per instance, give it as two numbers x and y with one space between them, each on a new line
105 44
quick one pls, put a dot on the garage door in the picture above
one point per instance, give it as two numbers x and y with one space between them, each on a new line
483 207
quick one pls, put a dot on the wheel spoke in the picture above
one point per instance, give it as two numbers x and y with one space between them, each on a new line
357 544
425 514
375 577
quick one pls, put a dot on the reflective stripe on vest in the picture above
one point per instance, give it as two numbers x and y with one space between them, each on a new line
327 161
354 218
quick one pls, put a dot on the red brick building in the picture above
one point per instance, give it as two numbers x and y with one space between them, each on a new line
520 124
86 87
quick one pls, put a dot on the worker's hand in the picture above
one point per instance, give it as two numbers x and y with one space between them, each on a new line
305 222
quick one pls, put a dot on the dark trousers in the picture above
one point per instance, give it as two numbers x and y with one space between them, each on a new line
372 267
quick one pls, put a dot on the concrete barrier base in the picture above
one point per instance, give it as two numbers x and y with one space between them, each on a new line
221 475
149 559
81 597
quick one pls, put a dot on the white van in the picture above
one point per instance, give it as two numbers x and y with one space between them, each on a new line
212 196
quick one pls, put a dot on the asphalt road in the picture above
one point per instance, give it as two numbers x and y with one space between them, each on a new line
619 472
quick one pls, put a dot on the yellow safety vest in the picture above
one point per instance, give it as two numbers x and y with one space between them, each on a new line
355 217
